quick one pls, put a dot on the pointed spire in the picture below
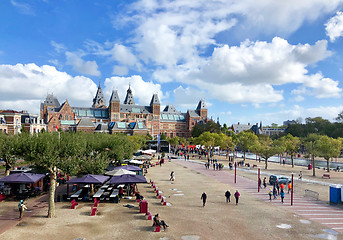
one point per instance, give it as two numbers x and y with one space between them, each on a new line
154 99
114 96
99 99
201 105
129 97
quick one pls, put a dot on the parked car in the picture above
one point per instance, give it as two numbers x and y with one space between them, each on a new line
279 179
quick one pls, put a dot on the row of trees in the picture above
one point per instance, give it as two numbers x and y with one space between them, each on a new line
265 147
72 153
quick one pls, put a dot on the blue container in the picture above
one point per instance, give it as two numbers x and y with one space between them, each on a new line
335 193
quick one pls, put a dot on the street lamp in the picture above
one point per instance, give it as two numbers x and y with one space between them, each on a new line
258 179
235 172
292 190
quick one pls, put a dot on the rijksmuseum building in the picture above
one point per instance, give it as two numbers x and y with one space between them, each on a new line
126 117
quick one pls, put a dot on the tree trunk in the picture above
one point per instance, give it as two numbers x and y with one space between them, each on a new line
51 210
292 161
328 164
8 169
313 166
266 162
244 155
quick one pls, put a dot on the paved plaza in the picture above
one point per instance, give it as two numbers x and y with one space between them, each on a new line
253 218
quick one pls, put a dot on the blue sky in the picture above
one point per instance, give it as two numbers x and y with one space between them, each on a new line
251 61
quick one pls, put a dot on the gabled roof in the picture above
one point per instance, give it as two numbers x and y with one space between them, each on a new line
99 99
170 109
193 113
114 96
125 108
201 105
101 127
50 100
129 97
154 99
85 122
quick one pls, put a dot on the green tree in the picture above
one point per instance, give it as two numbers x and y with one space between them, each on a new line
327 148
8 151
292 145
266 148
173 141
226 142
209 126
245 140
310 143
208 140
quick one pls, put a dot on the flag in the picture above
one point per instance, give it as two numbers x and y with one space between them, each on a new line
159 139
56 128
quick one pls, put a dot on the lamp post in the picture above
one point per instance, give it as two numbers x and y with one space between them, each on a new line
258 179
292 190
235 172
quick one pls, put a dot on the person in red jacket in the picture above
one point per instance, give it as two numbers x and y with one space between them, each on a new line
237 195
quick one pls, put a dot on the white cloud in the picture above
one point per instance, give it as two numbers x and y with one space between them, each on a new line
27 85
188 98
277 62
295 112
120 70
323 87
59 47
82 66
334 27
142 90
249 72
24 8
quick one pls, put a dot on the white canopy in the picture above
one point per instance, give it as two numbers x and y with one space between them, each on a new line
136 162
119 172
149 151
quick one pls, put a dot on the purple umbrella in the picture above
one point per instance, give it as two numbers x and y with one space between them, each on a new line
127 179
90 179
128 167
22 178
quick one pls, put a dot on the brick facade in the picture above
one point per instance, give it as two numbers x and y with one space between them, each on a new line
138 119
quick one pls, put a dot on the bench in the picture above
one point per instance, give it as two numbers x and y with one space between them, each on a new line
98 193
76 194
326 176
148 216
254 165
94 209
74 204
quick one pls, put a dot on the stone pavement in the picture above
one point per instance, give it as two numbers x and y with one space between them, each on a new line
330 216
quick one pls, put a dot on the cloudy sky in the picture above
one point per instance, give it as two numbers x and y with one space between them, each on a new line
251 61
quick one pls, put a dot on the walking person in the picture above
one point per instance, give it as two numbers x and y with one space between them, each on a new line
289 187
265 182
274 192
203 197
270 194
227 195
282 194
172 176
278 188
300 175
237 195
22 208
